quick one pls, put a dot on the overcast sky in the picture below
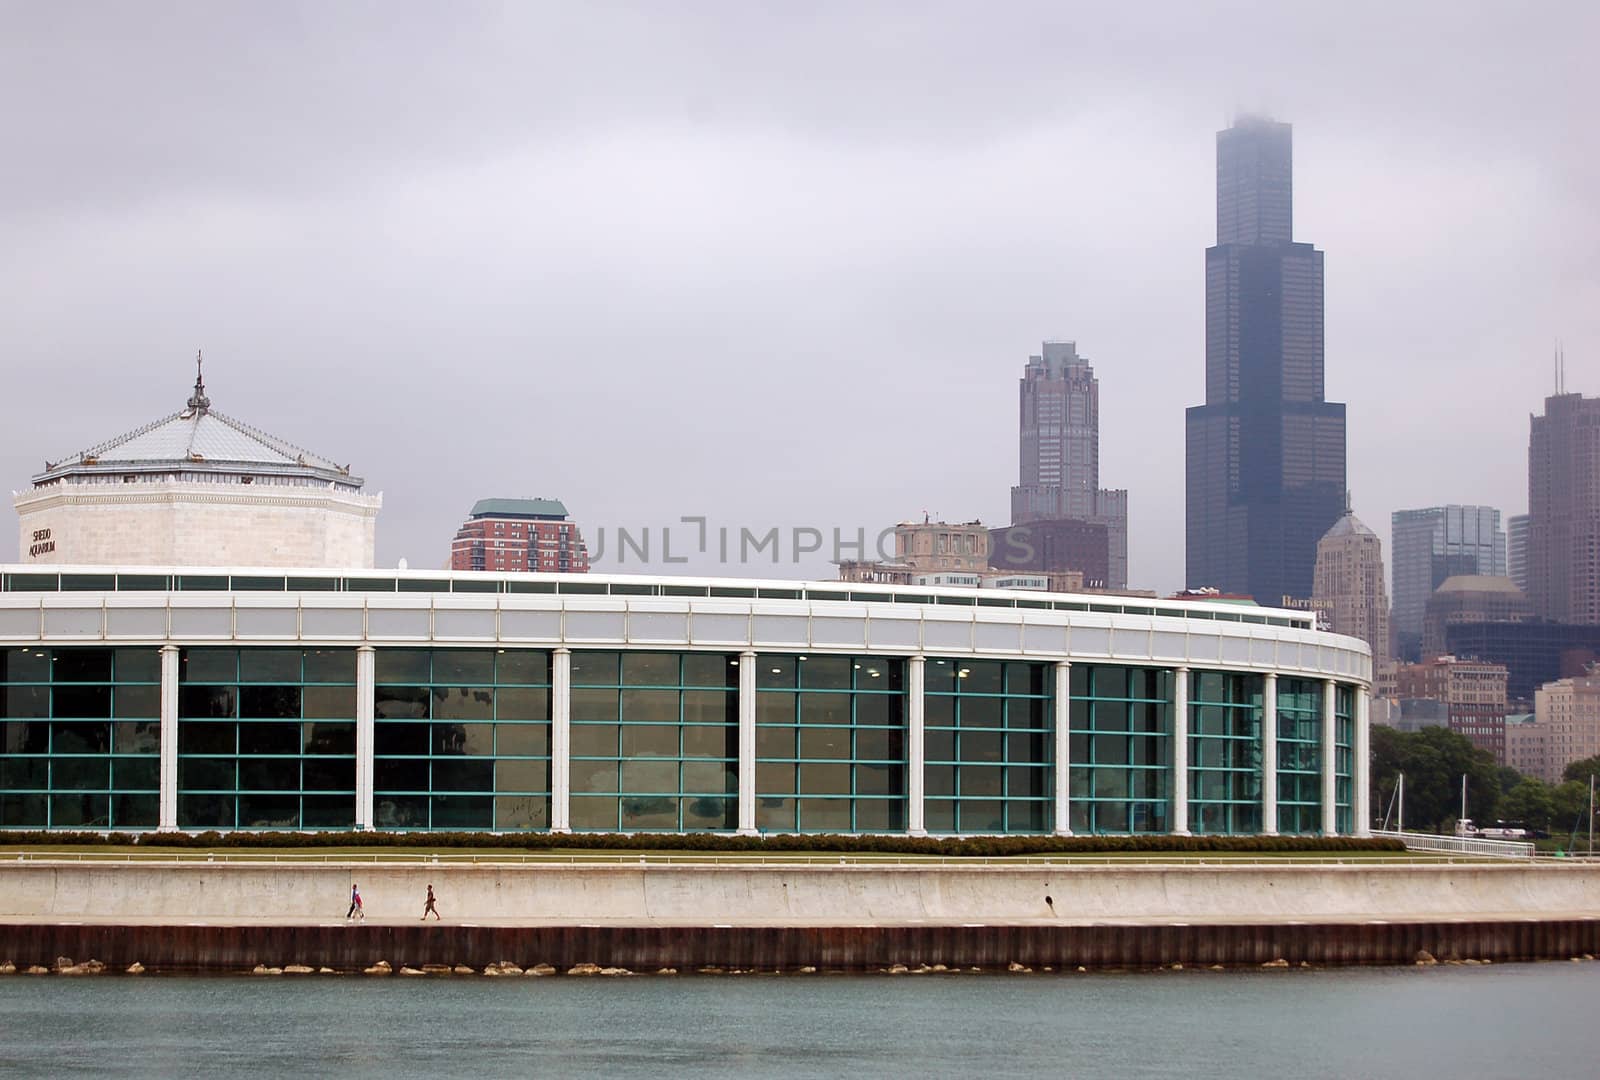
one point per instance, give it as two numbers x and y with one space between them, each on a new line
776 264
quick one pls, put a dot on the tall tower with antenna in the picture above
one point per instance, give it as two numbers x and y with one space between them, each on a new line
1563 546
1266 452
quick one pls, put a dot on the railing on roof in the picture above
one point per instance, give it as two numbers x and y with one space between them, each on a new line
1459 845
43 582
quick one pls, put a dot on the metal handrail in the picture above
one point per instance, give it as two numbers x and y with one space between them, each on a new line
1210 860
1460 845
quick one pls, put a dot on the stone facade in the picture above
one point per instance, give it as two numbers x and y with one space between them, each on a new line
1348 584
198 488
1567 717
184 522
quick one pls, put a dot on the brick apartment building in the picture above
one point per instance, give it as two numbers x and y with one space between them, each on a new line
1473 693
532 535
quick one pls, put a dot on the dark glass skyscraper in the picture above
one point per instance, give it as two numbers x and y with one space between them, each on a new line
1266 453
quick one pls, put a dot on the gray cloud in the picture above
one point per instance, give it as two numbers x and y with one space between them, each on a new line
771 263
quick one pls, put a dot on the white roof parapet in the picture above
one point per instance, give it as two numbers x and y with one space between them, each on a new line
816 616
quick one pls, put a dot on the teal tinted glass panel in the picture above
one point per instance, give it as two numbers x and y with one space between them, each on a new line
1120 744
67 758
462 739
1225 710
1299 745
987 755
655 741
830 743
266 738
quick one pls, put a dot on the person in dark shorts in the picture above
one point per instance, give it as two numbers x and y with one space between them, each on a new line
429 906
355 903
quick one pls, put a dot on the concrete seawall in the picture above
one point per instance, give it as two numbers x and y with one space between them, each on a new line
799 895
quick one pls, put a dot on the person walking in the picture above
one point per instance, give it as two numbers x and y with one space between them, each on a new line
355 904
429 906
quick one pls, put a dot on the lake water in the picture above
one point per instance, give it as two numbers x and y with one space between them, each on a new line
1505 1021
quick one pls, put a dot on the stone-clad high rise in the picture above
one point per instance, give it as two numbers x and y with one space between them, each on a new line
1059 470
1266 452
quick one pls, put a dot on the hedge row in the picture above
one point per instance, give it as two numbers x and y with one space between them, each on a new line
897 845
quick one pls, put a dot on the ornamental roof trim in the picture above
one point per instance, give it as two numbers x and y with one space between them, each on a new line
199 438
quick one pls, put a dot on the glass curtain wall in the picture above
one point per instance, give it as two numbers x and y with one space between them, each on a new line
830 744
655 742
1344 729
1225 752
987 746
266 738
1121 749
80 738
1299 756
461 739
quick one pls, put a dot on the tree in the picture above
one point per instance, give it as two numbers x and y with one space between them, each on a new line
1509 778
1582 770
1569 805
1530 804
1433 760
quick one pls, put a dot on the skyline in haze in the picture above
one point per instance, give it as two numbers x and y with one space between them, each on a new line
735 262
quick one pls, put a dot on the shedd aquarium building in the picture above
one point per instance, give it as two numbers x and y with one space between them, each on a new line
142 698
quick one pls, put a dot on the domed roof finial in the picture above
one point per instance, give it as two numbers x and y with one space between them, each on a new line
199 402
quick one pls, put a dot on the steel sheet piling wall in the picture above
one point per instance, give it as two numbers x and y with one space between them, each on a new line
845 948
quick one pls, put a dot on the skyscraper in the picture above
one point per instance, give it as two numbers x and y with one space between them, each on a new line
1431 544
1348 584
1517 550
1266 452
1059 474
1564 509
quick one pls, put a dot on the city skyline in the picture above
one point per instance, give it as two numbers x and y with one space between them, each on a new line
932 238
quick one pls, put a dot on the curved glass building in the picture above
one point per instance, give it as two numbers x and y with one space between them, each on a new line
230 698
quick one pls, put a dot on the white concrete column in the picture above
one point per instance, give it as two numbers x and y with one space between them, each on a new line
1062 722
1330 787
1180 751
561 741
1360 765
916 746
1269 754
366 732
167 803
747 743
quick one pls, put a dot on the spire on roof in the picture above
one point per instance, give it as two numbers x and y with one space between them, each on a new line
198 400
